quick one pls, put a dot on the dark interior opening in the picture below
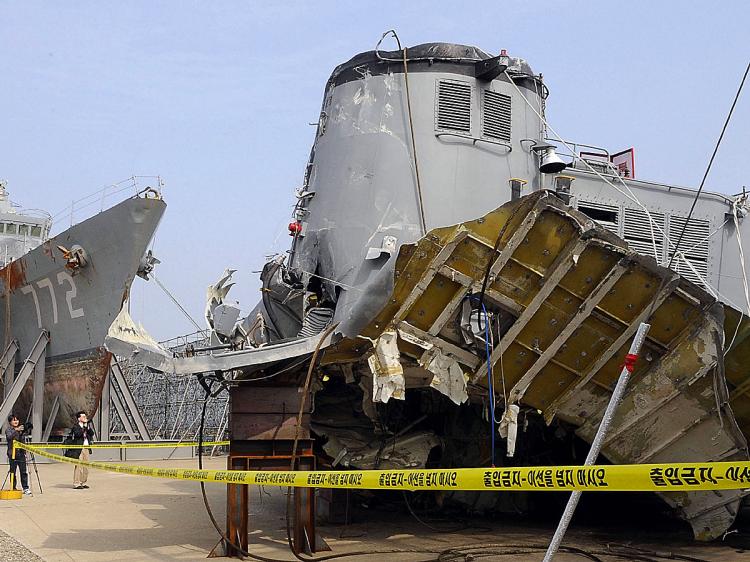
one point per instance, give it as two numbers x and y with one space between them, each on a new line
599 214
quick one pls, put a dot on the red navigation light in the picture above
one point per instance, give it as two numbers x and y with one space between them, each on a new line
295 228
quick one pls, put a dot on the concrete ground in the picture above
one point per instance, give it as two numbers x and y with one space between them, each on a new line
128 518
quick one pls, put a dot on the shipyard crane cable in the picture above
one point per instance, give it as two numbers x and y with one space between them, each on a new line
490 385
424 523
482 292
260 558
630 195
735 216
467 552
174 300
411 124
432 58
697 196
711 161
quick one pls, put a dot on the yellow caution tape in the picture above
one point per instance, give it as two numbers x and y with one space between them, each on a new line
669 477
130 445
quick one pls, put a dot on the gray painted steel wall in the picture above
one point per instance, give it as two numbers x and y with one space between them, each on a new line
365 185
723 270
361 185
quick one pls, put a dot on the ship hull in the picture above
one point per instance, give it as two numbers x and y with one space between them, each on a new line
76 306
77 380
571 296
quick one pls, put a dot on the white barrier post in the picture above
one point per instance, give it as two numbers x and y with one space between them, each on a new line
601 433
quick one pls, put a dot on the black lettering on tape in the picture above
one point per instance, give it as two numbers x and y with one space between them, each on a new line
688 476
392 479
671 473
738 474
657 477
564 477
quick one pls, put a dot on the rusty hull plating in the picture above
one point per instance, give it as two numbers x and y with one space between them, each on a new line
575 295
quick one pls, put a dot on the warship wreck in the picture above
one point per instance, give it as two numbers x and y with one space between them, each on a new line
474 282
59 296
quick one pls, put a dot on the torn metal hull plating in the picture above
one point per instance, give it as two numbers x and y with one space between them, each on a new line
571 296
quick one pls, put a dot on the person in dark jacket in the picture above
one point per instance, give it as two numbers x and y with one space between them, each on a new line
82 434
15 432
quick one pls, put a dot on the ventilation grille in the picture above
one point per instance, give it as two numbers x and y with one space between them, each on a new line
315 321
607 216
496 116
694 246
637 232
453 111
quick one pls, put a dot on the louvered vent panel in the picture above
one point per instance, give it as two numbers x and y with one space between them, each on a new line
694 245
637 232
496 116
453 111
606 215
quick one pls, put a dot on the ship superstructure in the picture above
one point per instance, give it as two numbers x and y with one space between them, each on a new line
489 286
20 231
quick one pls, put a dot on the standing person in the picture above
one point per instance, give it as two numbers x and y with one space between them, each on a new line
12 433
82 434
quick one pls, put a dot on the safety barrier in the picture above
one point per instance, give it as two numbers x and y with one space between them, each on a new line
130 445
667 477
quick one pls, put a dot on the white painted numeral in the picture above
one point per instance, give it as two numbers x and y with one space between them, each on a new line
26 289
62 277
47 283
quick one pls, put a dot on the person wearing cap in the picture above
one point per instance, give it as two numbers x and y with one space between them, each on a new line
13 433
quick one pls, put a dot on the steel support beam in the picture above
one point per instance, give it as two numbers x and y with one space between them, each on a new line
237 512
27 370
584 310
424 340
105 407
37 404
504 256
122 388
556 271
475 286
7 366
506 252
432 270
614 347
123 414
54 409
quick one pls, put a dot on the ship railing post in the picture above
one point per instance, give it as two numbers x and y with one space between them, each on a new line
601 433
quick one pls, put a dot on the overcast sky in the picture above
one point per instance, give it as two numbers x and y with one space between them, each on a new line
217 97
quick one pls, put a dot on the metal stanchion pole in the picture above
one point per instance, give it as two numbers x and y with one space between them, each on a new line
11 494
12 467
598 441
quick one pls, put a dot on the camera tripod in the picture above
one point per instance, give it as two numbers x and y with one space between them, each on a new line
26 439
